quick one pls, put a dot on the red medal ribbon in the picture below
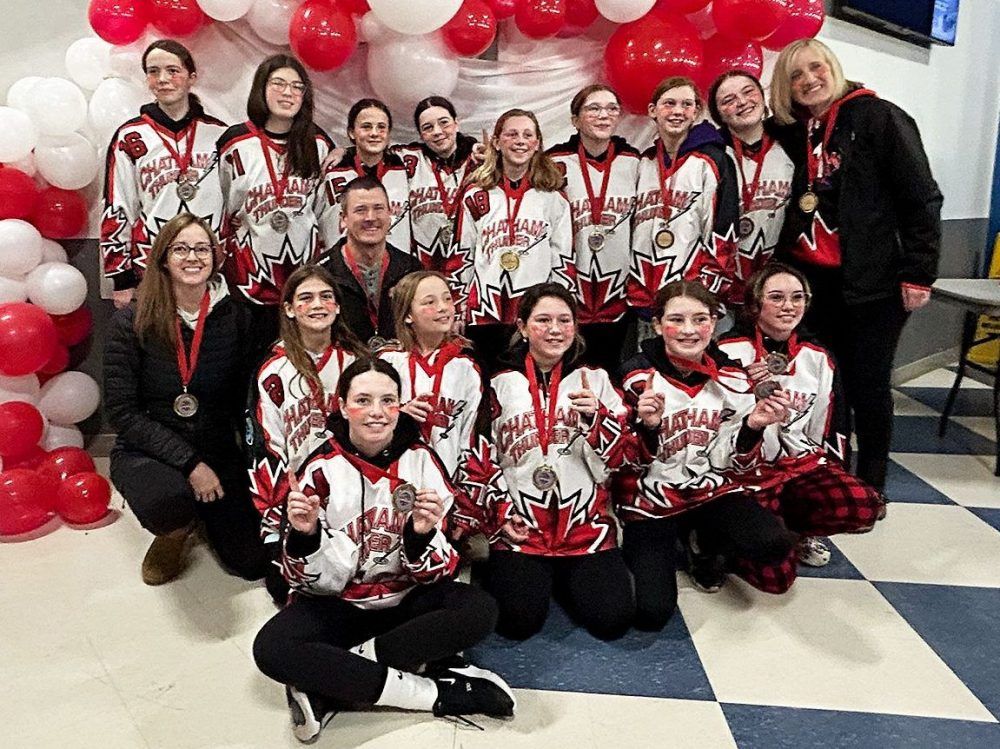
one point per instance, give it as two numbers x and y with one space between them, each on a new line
185 364
320 403
444 354
518 195
365 468
758 345
545 427
812 160
750 188
596 202
277 185
666 210
706 366
448 206
362 170
373 304
183 160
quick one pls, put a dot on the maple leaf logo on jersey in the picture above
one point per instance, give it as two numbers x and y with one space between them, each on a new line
598 290
114 241
752 256
262 277
823 247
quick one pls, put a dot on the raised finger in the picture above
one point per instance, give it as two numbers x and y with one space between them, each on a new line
293 481
583 380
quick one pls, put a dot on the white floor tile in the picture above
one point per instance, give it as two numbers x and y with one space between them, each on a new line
904 405
830 644
982 425
942 378
965 479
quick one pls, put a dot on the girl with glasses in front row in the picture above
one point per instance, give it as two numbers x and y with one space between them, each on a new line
804 478
270 171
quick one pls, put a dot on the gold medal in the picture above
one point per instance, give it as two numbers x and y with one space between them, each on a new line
808 202
664 239
510 260
544 477
185 405
404 497
776 363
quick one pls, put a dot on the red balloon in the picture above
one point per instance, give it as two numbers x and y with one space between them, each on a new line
177 18
22 502
505 8
749 19
805 17
679 6
21 427
60 214
581 13
31 460
83 498
18 193
472 30
58 363
538 19
118 21
641 54
322 36
28 338
723 54
74 327
64 462
355 7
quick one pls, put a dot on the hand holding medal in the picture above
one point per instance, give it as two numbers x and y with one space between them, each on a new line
650 406
428 510
420 407
773 409
303 509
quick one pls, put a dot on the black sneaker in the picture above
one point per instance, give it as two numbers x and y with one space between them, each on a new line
471 691
434 669
310 714
707 570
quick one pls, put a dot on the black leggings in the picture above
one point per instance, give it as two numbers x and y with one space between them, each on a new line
596 588
306 644
733 526
162 500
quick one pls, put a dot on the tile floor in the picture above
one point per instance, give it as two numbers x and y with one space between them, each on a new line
894 644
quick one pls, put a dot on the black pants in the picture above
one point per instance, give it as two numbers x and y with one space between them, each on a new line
491 342
263 332
605 342
863 338
162 500
595 587
733 526
306 644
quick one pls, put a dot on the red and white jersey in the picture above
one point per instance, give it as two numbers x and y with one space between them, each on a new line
809 433
361 556
764 175
432 219
687 231
391 172
602 266
528 230
452 381
286 423
141 185
259 255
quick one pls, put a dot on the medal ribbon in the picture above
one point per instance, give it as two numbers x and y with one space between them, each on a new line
812 160
320 403
758 344
447 205
750 188
362 170
183 160
277 185
373 304
185 364
519 196
666 175
364 467
444 354
545 426
596 203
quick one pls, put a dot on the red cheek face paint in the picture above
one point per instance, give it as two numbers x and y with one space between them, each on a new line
392 410
354 410
330 305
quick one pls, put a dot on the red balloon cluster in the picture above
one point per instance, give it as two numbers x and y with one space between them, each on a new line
322 35
804 20
471 31
177 18
505 8
119 21
749 20
538 19
18 193
723 54
59 214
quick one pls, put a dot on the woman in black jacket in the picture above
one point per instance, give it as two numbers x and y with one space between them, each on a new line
174 384
864 225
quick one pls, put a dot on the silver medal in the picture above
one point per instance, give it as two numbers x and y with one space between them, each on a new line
279 221
186 190
544 477
404 497
745 227
185 405
596 240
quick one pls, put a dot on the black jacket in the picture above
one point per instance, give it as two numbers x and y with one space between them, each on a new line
888 207
354 302
141 382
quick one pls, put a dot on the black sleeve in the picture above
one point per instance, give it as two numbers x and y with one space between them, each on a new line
727 201
415 544
301 544
748 438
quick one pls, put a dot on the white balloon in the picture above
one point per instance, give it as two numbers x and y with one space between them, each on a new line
405 70
26 165
58 288
623 11
13 290
18 134
20 91
270 19
69 398
214 51
60 436
373 31
225 10
115 101
67 161
57 106
20 247
24 388
415 16
53 252
88 60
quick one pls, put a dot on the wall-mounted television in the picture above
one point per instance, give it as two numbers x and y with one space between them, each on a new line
920 21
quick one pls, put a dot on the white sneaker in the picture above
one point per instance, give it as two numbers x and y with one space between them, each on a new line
310 714
813 552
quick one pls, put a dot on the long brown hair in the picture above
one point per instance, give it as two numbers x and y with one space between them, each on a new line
303 155
291 337
403 294
542 174
156 306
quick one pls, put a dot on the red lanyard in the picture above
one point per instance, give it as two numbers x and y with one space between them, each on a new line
373 304
441 356
596 202
665 176
448 206
706 366
749 189
185 364
812 160
362 170
758 344
183 160
544 426
518 197
320 364
278 185
364 468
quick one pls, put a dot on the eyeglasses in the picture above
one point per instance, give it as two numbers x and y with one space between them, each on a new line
298 88
797 298
594 110
181 251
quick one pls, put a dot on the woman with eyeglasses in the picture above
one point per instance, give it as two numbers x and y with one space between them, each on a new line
270 176
369 127
763 170
175 374
601 169
684 226
158 164
864 225
804 457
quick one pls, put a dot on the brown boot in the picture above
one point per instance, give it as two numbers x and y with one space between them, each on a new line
166 557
